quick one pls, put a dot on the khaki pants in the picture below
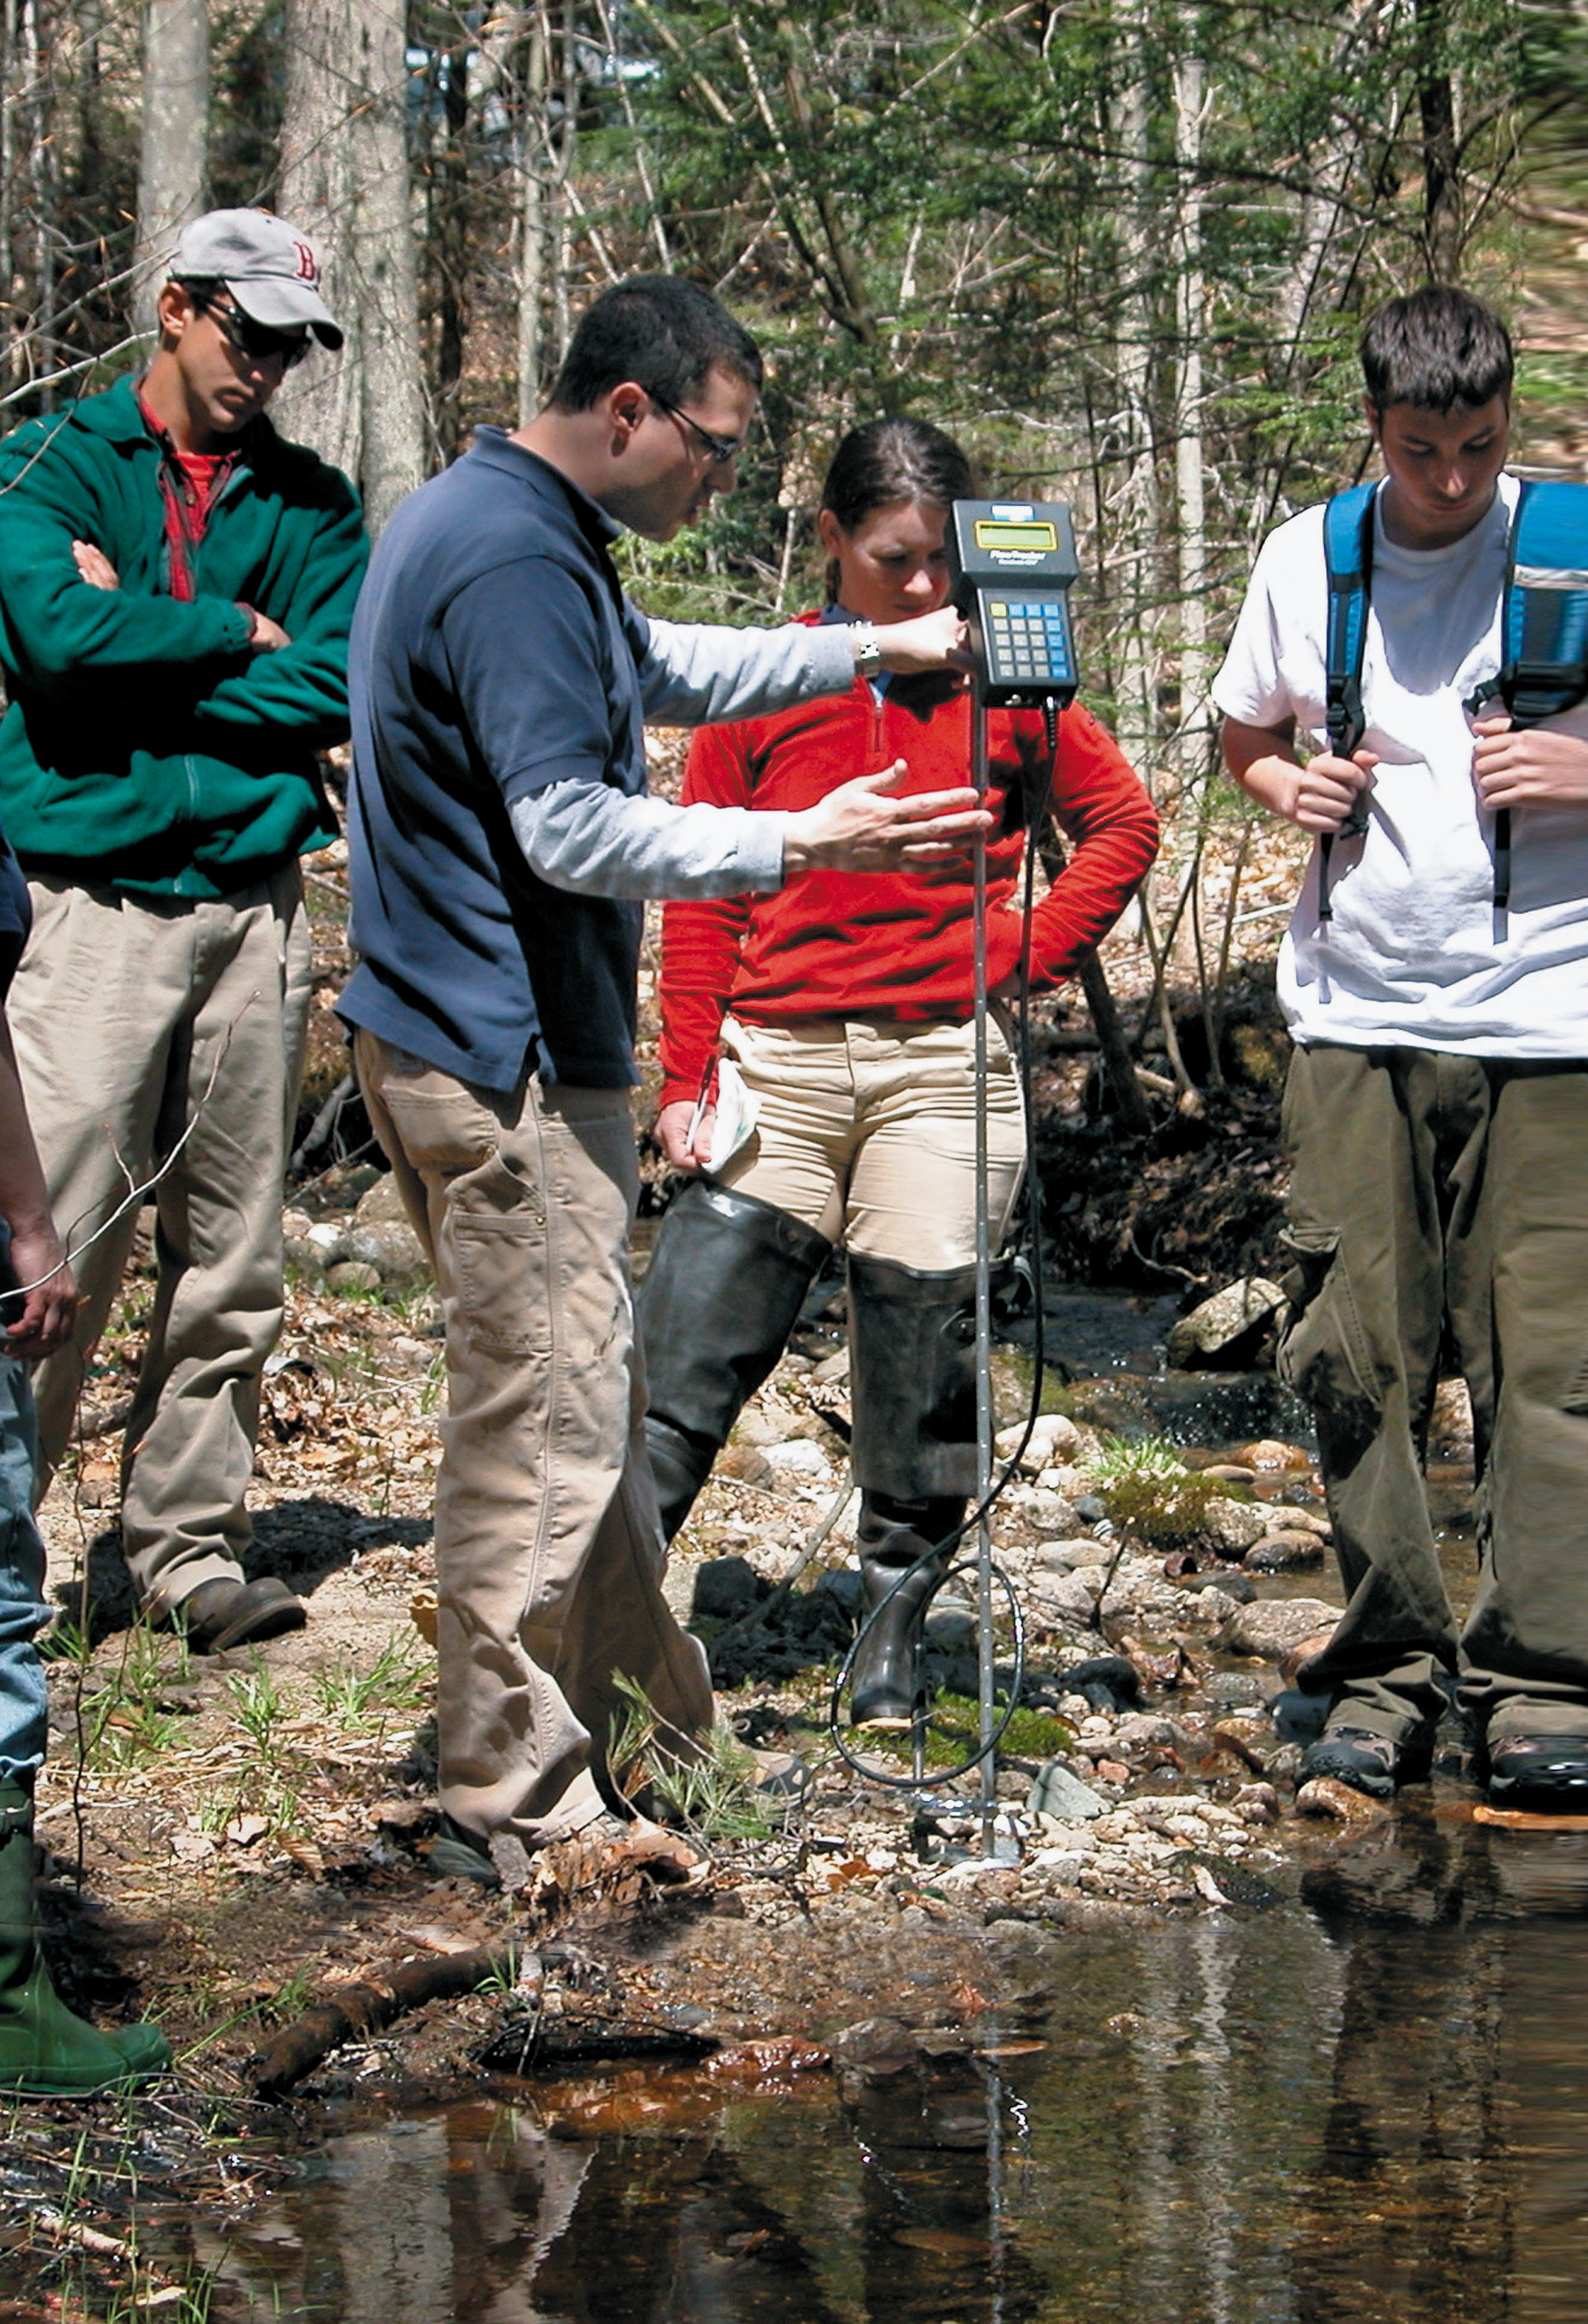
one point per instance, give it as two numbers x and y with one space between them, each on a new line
1437 1194
549 1546
866 1131
138 1020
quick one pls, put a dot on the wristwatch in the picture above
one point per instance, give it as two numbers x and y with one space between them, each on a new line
868 649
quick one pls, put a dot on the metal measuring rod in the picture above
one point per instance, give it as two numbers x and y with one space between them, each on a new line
1013 563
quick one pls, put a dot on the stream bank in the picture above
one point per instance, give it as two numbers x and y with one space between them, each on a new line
255 1829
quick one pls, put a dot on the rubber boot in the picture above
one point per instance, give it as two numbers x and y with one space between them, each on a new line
44 2050
897 1538
723 1291
912 1384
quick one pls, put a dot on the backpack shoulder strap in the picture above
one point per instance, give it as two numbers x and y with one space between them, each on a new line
1348 549
1544 617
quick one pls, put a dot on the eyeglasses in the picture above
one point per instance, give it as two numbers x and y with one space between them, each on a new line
257 341
722 448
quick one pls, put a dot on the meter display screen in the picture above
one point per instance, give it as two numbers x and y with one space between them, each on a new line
998 533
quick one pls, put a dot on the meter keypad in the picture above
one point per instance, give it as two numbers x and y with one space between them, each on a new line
1025 641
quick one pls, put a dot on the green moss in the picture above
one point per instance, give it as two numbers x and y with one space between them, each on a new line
953 1731
1163 1510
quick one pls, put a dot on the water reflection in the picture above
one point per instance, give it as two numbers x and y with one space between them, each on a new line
1369 2107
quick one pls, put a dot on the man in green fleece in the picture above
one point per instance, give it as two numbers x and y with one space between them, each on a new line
176 589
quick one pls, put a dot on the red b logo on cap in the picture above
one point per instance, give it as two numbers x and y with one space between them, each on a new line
308 272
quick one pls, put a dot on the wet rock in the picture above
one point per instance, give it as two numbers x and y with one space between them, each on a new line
727 1587
1257 1804
1223 1329
1233 1528
353 1275
1237 1885
1324 1797
875 2041
1298 1717
1234 1587
1105 1682
1237 1734
1284 1552
1297 1657
1055 1791
1269 1454
1214 1607
1237 1691
1228 1472
1272 1628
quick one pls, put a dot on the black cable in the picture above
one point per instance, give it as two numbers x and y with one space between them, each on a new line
1039 807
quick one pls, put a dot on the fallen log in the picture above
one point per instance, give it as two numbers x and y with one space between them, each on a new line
355 2011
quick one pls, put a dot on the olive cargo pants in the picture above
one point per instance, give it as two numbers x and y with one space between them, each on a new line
1439 1194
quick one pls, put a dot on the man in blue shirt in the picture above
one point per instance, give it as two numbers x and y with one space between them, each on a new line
502 845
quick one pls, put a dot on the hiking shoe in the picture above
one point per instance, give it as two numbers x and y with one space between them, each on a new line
1542 1774
1376 1765
221 1614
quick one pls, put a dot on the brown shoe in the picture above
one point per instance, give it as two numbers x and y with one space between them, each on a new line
222 1614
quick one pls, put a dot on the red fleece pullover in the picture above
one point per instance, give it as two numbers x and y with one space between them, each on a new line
892 944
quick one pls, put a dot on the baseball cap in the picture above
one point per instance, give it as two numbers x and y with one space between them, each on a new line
270 267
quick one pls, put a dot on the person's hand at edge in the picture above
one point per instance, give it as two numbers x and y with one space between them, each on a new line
672 1128
861 826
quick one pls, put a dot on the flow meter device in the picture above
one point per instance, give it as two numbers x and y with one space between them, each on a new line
1013 563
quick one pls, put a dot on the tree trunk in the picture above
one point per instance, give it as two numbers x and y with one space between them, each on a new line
532 216
1192 529
1137 526
173 172
1436 98
344 179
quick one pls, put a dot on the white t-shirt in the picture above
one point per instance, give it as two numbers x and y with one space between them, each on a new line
1415 955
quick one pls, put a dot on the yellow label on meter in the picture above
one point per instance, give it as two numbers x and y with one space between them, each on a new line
996 533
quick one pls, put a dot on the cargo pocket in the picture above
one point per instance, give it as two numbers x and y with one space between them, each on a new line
1323 1352
496 1224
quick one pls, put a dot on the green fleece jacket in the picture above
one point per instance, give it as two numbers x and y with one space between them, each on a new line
144 745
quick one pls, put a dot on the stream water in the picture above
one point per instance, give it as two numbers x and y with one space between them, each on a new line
1368 2105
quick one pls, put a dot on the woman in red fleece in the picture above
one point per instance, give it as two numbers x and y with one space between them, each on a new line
833 1021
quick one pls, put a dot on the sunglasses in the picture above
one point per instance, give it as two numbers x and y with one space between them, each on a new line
722 448
257 341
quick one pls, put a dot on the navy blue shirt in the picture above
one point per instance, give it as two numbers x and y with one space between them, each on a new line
493 653
16 915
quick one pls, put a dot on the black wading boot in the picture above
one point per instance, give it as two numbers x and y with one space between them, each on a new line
724 1289
913 1386
897 1538
44 2050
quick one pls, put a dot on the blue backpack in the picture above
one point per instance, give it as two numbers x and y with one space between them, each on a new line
1543 630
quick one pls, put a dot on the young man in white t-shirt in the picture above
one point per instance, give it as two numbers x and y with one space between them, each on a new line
1436 1109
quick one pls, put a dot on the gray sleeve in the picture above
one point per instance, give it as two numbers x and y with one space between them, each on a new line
594 840
695 675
